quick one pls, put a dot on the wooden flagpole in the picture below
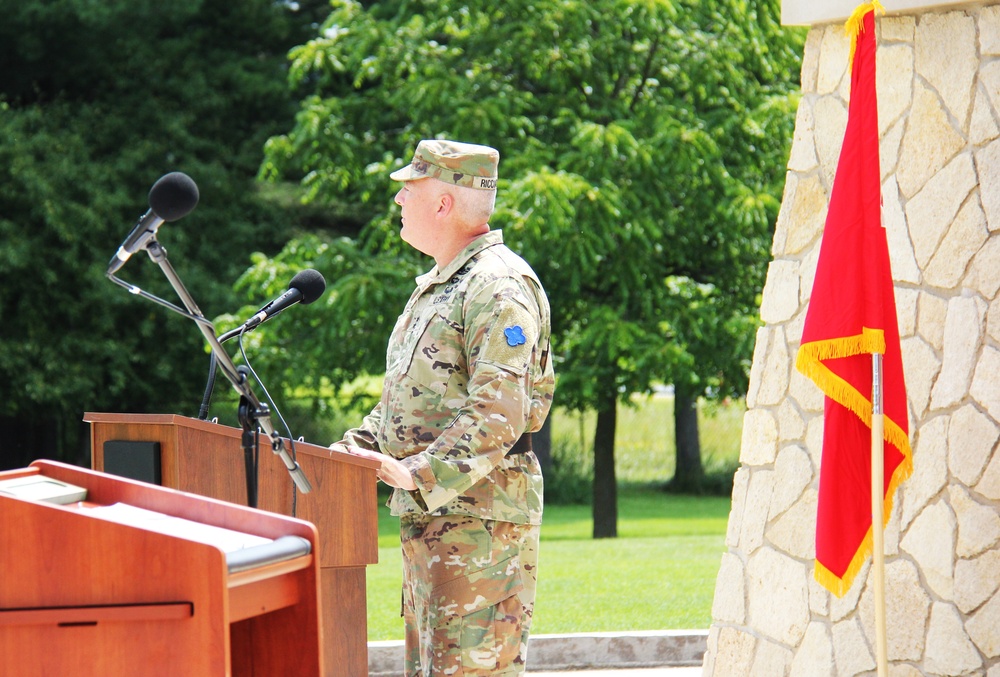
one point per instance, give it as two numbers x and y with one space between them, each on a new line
878 542
878 489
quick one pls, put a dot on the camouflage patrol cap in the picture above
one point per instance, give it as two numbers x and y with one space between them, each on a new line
463 164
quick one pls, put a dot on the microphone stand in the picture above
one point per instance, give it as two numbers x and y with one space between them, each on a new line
210 385
249 441
253 414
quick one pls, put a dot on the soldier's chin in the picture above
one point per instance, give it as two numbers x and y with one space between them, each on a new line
403 235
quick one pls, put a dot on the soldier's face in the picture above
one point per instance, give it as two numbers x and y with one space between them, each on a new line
420 203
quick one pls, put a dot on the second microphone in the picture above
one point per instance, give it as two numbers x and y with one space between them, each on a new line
307 286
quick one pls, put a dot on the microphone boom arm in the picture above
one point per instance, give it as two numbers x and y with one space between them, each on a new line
261 413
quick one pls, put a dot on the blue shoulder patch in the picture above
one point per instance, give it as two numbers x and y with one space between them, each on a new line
515 336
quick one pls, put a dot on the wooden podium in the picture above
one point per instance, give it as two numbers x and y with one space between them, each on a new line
86 592
207 458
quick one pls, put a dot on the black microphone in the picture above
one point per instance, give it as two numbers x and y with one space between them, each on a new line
172 197
307 286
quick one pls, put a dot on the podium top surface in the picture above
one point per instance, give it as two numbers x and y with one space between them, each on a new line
218 429
111 498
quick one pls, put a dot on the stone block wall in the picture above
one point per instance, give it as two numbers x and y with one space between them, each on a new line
938 83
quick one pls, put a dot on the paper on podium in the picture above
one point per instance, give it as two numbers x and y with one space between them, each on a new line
41 488
226 540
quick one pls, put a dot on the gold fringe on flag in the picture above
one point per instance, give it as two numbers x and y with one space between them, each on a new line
855 24
809 363
834 583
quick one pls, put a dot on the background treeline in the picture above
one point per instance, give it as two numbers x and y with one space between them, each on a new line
643 149
97 101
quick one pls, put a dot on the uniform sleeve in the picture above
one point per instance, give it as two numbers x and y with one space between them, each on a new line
501 333
364 436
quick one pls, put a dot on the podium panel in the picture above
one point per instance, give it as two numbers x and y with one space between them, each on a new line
136 579
207 458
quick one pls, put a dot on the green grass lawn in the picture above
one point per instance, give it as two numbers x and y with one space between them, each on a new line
644 438
659 574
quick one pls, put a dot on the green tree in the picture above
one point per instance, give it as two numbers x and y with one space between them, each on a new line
338 338
97 100
642 145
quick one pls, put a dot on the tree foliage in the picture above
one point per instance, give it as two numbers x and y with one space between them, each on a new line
98 100
338 338
642 152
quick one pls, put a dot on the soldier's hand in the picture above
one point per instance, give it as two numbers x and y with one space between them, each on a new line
392 472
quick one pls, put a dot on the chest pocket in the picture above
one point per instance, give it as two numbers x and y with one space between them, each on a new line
438 357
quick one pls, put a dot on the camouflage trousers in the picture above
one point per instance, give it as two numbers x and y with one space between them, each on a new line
468 595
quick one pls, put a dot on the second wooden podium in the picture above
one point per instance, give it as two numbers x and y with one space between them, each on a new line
207 458
118 577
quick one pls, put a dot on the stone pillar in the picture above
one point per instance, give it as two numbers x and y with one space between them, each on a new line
938 83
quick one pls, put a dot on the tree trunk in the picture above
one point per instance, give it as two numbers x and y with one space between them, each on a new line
605 504
689 473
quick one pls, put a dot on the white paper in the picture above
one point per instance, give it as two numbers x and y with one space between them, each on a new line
226 540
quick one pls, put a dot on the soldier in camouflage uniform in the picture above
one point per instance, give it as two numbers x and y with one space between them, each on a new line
468 379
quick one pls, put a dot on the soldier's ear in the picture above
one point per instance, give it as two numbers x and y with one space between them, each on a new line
446 203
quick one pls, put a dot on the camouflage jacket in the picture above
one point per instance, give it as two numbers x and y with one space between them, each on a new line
468 372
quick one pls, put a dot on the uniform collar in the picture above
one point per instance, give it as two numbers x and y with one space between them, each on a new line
435 276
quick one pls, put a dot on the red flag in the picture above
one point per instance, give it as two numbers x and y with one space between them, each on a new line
852 314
